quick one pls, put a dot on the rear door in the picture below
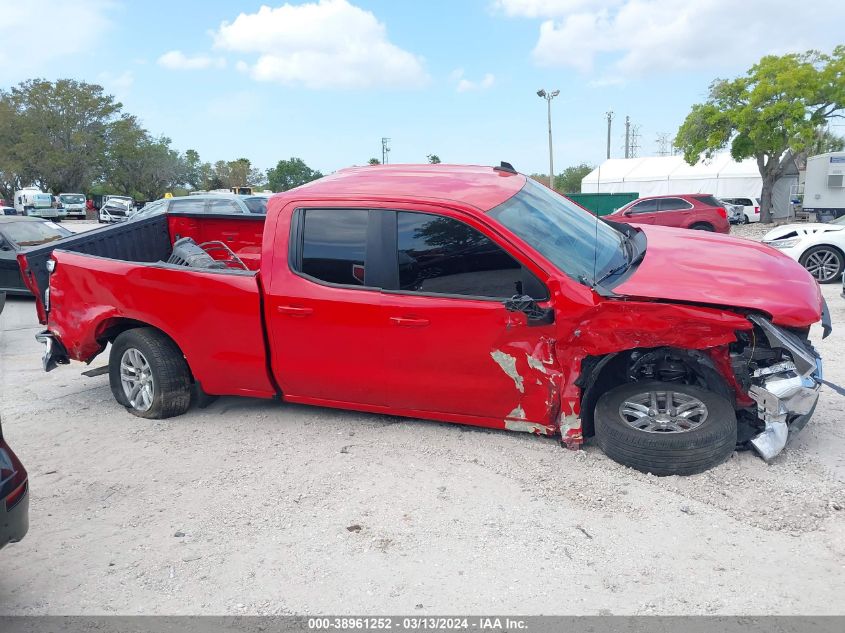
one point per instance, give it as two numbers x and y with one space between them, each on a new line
323 308
673 212
452 347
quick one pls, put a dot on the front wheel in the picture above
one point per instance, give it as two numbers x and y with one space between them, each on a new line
665 428
824 263
149 375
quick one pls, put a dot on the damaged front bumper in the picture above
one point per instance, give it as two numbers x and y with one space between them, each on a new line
786 393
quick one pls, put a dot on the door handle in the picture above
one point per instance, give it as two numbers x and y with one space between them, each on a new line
409 321
295 310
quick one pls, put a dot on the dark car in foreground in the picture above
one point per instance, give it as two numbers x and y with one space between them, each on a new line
17 233
694 211
14 496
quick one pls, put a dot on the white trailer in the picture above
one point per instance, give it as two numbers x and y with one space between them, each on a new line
824 185
33 201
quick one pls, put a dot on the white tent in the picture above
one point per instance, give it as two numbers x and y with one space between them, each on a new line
661 175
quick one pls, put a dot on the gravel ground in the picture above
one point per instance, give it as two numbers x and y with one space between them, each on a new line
253 507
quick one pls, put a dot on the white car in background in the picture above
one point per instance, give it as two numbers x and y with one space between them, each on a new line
751 207
820 248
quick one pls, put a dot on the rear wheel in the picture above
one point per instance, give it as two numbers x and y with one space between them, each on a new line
702 226
824 263
665 428
743 218
149 375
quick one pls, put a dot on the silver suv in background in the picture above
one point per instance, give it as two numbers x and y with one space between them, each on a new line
220 203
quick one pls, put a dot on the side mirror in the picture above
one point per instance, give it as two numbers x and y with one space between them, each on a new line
628 213
525 304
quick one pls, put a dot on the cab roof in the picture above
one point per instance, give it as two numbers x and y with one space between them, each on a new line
475 185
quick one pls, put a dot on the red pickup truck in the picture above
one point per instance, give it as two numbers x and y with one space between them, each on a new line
454 293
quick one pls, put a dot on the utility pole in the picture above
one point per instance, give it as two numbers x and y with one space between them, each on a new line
385 149
548 96
627 137
609 115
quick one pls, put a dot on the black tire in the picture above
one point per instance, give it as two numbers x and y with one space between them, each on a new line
702 226
832 272
744 218
168 374
666 453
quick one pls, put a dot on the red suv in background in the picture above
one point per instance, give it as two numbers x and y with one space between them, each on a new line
688 211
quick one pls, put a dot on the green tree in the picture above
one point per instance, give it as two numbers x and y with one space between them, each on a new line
374 161
62 132
193 169
291 173
434 159
569 180
771 114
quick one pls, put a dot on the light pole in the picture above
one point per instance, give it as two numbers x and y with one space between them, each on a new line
548 96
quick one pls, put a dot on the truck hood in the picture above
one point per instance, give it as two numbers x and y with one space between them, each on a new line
707 268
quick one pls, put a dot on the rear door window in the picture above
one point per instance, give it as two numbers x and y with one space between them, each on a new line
187 205
673 204
334 245
223 205
441 255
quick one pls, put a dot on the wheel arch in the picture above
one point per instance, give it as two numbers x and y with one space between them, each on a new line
112 327
602 373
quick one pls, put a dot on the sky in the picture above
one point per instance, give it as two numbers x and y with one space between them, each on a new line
325 80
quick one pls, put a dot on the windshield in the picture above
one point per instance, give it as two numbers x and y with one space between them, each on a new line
839 220
575 241
154 208
34 233
72 198
256 205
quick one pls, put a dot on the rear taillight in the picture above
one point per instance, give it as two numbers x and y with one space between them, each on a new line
756 210
723 213
16 495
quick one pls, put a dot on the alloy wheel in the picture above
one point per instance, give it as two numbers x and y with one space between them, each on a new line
663 412
822 264
136 378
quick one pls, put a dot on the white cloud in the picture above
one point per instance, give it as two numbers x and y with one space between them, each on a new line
24 54
327 44
635 37
548 8
466 85
177 60
117 85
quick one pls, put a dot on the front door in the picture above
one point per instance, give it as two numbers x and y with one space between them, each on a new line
452 347
643 212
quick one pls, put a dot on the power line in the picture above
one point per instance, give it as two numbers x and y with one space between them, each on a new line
635 138
385 149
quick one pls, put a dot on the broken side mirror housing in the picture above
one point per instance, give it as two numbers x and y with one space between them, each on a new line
528 306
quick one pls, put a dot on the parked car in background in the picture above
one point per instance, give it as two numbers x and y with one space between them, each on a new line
73 204
17 233
736 213
690 211
116 209
361 287
14 494
219 203
750 207
819 247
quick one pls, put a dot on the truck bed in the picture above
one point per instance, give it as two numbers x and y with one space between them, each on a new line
118 277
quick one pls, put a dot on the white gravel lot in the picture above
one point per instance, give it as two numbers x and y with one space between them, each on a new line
253 507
